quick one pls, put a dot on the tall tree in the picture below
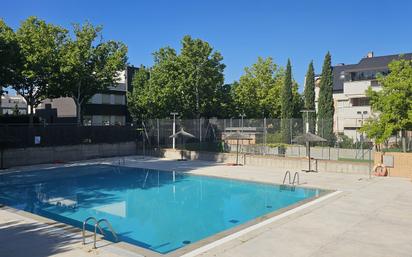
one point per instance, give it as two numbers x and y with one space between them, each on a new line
190 83
393 104
325 102
309 98
287 104
10 59
40 44
88 65
258 92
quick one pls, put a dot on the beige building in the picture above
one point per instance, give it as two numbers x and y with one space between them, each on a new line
350 83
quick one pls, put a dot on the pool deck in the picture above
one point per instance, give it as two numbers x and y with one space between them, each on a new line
370 217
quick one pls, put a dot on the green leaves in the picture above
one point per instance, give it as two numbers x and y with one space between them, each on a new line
258 92
325 102
10 58
393 103
190 83
309 97
88 65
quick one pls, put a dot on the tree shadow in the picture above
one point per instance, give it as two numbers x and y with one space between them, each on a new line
33 239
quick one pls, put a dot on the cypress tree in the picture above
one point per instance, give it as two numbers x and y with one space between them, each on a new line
287 104
309 98
325 102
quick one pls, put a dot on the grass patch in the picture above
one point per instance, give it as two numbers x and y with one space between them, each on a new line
354 160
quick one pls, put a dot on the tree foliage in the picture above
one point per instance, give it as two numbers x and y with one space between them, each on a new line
309 97
88 65
190 83
287 104
258 92
325 102
39 45
10 58
393 103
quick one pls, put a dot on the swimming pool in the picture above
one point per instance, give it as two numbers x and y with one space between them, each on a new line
158 210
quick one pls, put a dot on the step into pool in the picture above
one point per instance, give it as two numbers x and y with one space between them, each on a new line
157 210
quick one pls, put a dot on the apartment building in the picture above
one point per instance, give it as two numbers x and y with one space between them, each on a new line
350 82
13 104
107 107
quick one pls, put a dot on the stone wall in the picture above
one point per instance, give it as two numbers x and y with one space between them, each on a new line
285 163
38 155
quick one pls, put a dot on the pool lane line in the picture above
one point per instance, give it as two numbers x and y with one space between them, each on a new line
242 232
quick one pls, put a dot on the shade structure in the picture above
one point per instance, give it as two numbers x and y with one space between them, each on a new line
306 139
182 134
237 136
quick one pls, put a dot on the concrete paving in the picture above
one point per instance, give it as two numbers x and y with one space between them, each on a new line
371 217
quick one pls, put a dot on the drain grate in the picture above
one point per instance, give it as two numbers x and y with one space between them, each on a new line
269 206
233 221
186 242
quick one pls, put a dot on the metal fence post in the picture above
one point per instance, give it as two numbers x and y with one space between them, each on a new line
158 134
264 136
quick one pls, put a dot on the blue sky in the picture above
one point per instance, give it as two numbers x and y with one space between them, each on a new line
241 30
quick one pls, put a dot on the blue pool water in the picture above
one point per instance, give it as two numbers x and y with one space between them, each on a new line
149 208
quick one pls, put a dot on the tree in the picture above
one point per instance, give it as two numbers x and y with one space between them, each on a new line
39 46
309 97
325 102
287 104
88 65
190 83
393 104
258 92
10 59
137 99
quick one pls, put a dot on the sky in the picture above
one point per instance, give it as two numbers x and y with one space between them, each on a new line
241 30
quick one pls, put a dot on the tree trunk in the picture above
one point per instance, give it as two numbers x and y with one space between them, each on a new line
78 112
403 138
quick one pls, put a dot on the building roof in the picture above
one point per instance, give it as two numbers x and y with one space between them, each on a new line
366 63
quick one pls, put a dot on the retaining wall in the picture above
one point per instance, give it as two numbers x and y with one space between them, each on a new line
285 163
38 155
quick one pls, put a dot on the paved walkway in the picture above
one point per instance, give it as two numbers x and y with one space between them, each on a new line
371 217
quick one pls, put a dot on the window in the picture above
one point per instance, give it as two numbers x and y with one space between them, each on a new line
105 99
363 101
119 99
106 120
87 120
365 75
118 120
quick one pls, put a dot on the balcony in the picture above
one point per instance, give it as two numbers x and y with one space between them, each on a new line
358 88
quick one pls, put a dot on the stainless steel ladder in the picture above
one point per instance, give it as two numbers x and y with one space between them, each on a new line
97 226
295 178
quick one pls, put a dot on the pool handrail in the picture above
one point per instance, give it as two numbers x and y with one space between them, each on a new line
97 225
284 178
84 227
294 178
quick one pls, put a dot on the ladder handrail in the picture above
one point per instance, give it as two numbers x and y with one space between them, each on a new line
294 178
98 226
284 178
84 227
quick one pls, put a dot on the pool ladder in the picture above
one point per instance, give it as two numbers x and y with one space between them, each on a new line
97 226
295 178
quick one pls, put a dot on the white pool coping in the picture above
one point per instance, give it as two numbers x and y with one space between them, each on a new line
240 233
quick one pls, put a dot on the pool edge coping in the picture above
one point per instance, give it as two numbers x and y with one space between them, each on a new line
197 247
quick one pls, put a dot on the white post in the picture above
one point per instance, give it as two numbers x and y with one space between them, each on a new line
174 128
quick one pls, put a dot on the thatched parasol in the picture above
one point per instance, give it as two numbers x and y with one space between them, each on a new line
237 136
306 139
182 134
